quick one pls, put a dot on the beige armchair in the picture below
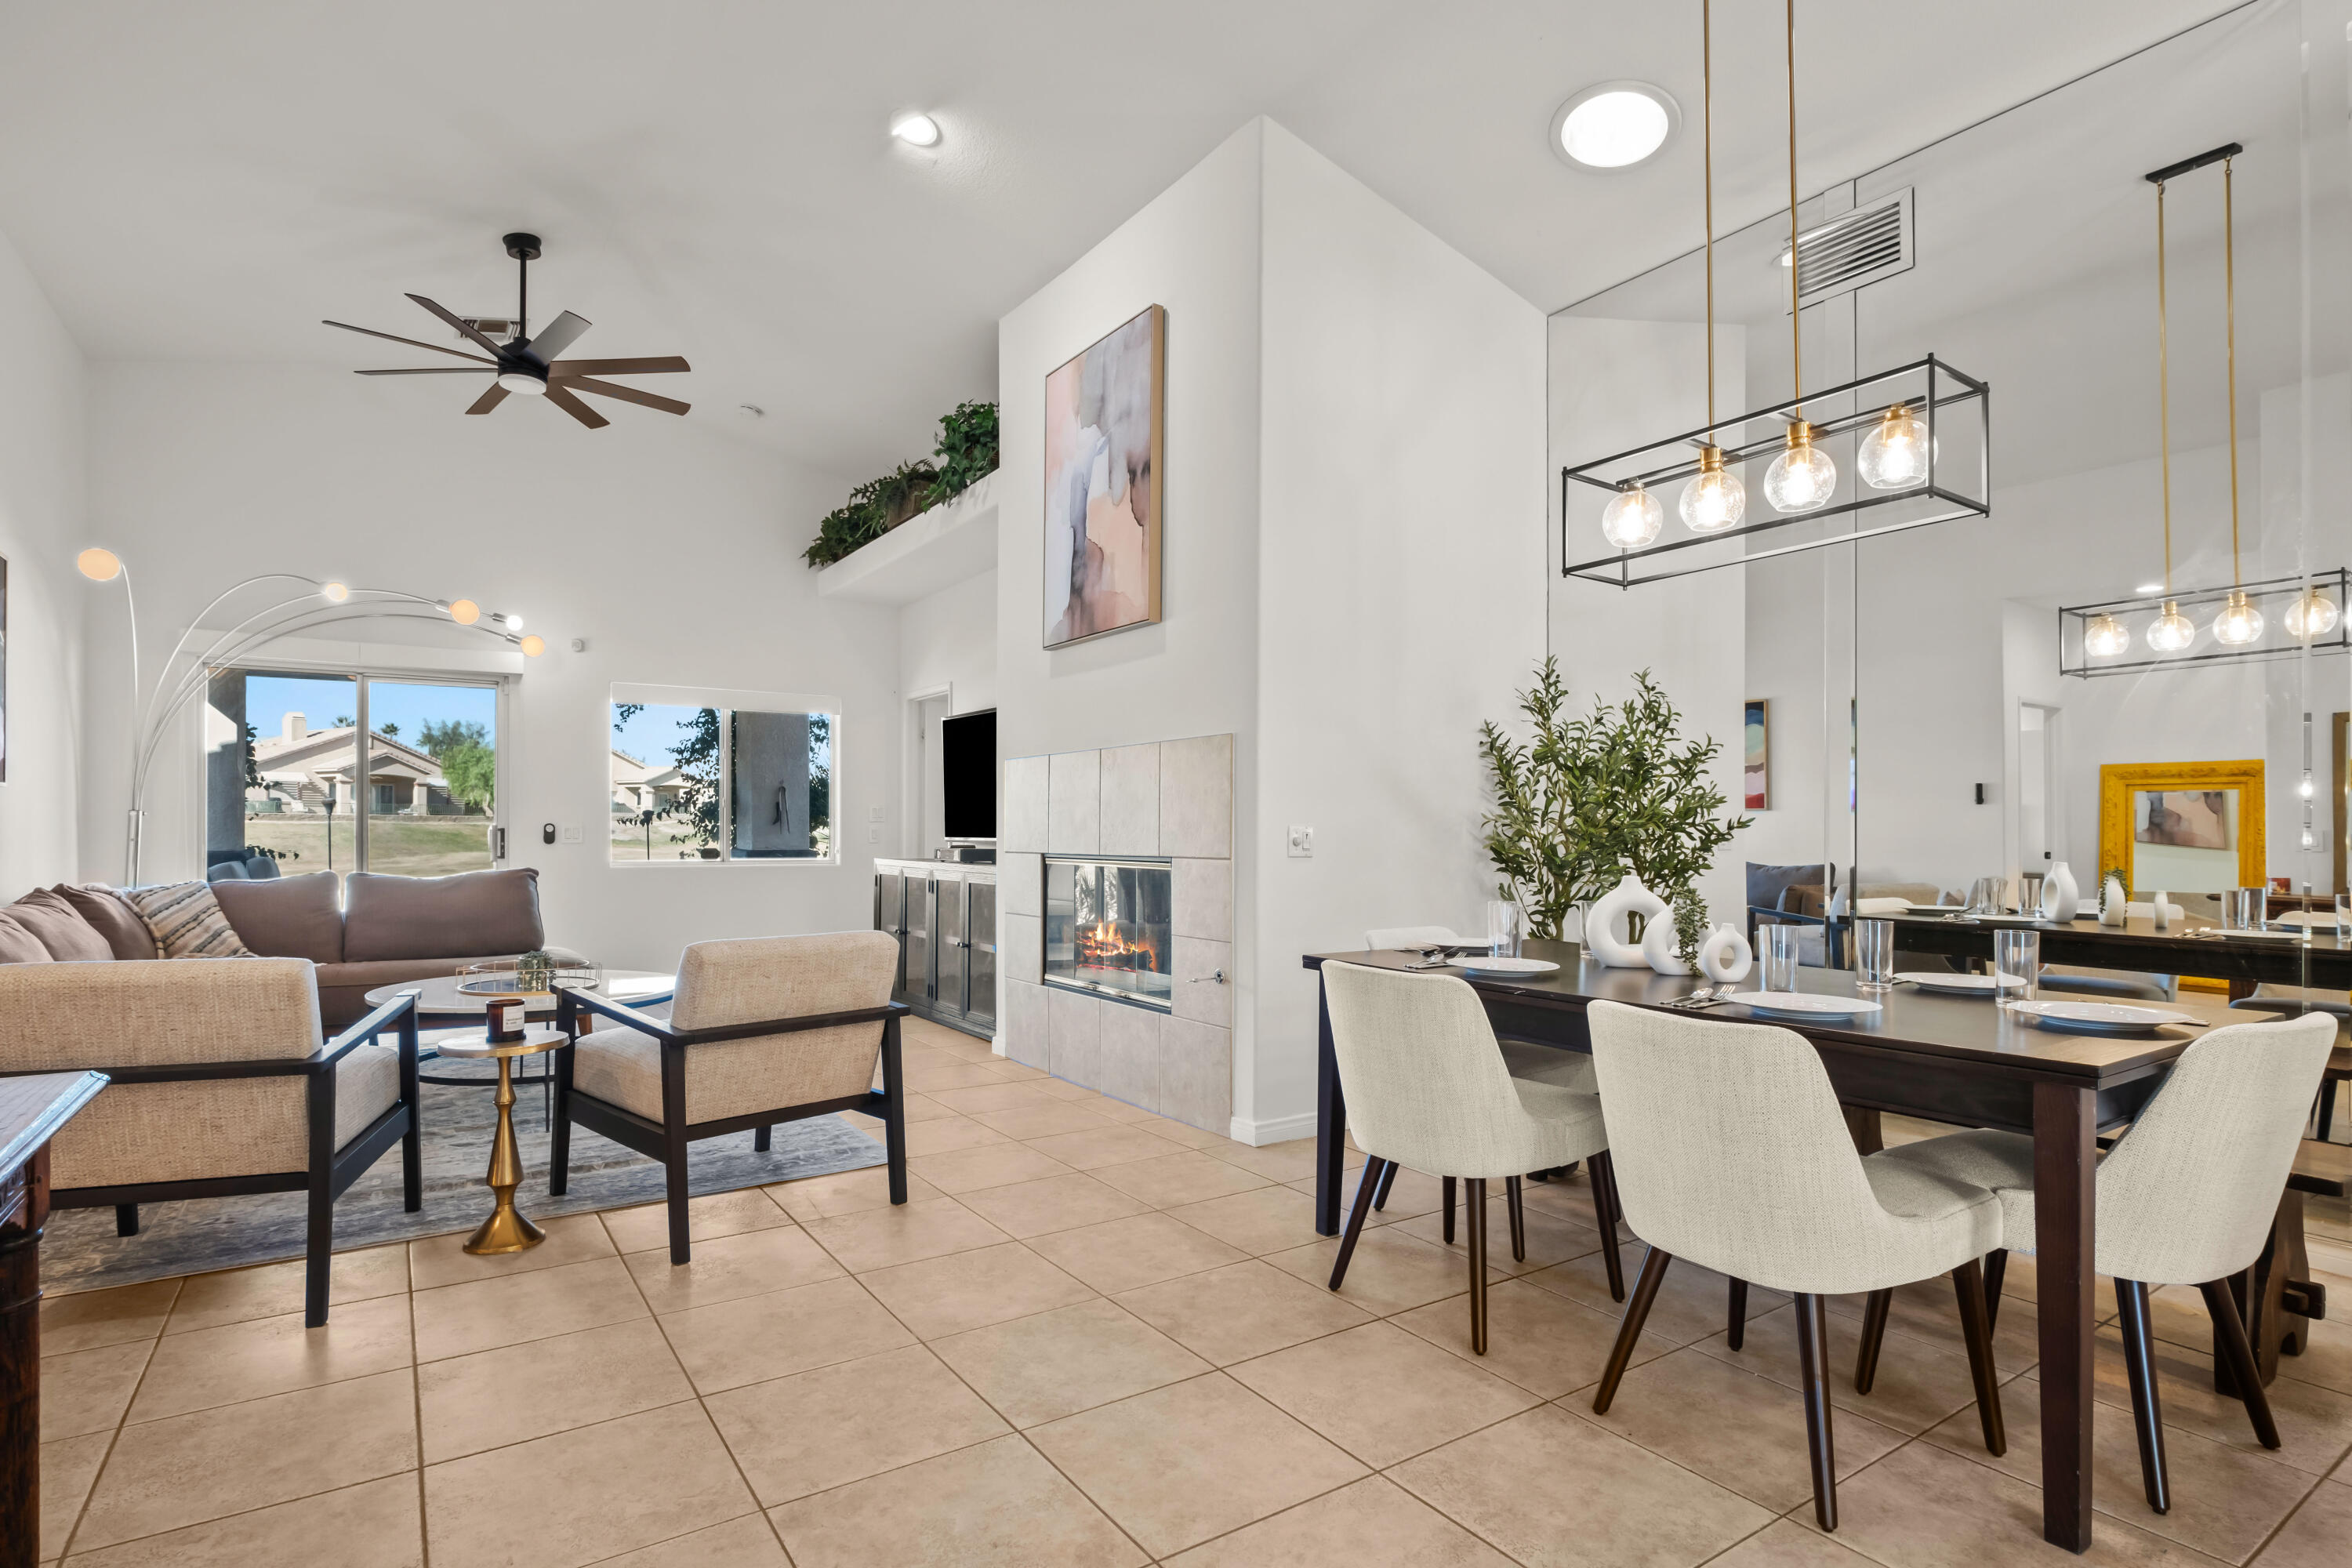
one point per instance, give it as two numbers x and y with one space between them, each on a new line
219 1087
761 1030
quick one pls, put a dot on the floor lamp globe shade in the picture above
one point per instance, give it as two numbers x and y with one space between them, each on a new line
533 646
2238 622
334 592
1801 478
1714 501
98 565
1893 456
1631 519
2314 615
2171 631
465 612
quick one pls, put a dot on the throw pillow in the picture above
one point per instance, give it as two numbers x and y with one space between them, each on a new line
116 921
19 945
187 921
68 936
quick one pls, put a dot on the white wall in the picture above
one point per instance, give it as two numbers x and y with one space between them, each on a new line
1401 579
43 517
673 551
947 650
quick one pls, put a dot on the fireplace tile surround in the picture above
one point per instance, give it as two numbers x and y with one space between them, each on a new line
1168 800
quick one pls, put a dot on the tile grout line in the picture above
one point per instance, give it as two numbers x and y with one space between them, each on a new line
416 1404
113 1438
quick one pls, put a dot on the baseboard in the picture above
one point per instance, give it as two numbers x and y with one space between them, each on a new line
1280 1130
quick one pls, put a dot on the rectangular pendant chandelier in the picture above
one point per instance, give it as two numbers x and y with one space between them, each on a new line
2296 613
1957 483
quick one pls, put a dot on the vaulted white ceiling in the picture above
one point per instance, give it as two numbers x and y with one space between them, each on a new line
712 177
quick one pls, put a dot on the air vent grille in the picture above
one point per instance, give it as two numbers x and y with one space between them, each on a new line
1855 249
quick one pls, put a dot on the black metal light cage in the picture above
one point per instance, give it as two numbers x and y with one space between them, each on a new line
1951 403
2271 597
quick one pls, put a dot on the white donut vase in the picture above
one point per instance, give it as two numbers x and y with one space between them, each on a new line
1606 930
1658 947
1724 955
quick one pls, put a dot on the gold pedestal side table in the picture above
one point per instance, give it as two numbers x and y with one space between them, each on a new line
507 1230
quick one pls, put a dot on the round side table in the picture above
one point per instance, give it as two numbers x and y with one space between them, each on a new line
507 1229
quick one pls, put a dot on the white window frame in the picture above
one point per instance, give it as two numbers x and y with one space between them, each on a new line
729 700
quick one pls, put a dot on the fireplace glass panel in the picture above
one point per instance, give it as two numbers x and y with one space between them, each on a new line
1106 929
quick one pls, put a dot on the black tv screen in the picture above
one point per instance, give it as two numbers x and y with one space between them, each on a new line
968 769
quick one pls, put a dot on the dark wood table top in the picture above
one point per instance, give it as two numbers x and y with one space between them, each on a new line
2320 958
33 1105
1962 1030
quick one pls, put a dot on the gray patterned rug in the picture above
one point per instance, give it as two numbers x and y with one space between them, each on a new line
79 1251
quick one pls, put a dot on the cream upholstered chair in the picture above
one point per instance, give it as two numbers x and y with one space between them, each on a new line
1425 1087
759 1031
1732 1153
2185 1197
219 1087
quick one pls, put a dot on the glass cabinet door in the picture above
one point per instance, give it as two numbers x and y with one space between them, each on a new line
947 911
980 931
918 939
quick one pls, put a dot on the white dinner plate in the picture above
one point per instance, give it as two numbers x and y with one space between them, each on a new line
1937 910
1484 963
2101 1018
2325 919
1953 984
2009 919
1801 1005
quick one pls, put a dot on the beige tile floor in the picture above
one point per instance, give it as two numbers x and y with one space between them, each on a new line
1094 1337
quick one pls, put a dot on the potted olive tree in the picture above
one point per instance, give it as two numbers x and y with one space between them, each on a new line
1587 799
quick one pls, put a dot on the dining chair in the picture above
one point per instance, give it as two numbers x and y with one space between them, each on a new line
1733 1153
2312 999
1425 1087
2185 1197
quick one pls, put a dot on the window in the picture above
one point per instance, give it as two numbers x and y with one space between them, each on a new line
746 779
292 757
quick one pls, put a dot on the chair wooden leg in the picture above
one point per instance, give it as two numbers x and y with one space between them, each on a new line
1518 1219
894 1109
1812 1361
1388 1180
558 1126
1473 1197
1996 1264
1629 1329
1976 1328
1736 1333
759 1140
412 1143
2147 1411
318 1245
1446 1186
126 1219
1368 1184
1604 1207
1873 1336
2230 1330
681 1248
2328 1108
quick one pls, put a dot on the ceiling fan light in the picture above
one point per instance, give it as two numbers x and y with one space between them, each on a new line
522 381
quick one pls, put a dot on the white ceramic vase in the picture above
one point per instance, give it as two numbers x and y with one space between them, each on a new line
2113 902
2062 898
1607 932
1658 946
1724 956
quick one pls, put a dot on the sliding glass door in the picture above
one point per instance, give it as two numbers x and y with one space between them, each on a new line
329 772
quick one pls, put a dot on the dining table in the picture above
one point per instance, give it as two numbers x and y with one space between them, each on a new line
2277 955
1968 1061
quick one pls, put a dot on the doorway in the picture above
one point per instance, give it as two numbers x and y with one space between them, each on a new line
2041 799
926 791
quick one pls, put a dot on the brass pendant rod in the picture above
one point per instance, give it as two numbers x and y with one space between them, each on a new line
2163 389
1706 142
2229 294
1796 334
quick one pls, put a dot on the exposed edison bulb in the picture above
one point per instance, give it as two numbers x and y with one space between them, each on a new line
2103 636
1631 519
1716 500
1894 455
2305 788
465 612
334 592
1802 477
2238 622
2313 615
2171 631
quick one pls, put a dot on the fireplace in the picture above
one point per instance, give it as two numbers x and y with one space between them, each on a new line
1106 929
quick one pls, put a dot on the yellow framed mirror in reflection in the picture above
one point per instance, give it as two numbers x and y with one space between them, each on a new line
2183 827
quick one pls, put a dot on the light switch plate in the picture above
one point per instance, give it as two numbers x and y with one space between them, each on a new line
1302 843
572 833
873 835
873 814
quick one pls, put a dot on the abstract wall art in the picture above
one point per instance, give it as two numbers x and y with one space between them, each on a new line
1104 419
1756 767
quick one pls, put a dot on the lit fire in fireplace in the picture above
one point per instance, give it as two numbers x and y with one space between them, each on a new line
1104 946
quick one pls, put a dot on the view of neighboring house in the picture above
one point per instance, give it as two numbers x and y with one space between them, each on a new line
299 765
642 786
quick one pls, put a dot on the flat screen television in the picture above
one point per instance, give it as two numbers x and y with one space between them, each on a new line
968 770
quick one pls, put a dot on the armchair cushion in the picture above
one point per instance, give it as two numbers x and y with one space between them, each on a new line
462 916
59 927
112 917
287 917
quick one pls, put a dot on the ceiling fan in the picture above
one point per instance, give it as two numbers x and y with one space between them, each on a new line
529 366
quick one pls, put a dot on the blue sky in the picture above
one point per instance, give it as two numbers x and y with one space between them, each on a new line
652 731
322 700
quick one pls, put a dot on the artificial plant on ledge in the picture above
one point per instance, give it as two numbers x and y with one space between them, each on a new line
966 452
1588 799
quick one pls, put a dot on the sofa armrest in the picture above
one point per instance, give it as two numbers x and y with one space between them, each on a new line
400 1012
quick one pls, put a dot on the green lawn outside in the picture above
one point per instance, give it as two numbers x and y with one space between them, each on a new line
400 846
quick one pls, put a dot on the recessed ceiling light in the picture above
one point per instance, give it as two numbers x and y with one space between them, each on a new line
1615 125
917 130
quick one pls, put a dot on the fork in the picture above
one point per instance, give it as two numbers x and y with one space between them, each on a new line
1704 997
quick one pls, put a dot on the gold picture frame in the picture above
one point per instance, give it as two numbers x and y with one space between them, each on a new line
2119 783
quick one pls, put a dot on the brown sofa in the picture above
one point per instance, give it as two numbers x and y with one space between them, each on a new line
382 930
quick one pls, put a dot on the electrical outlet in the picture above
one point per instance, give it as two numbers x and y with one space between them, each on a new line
1302 843
873 835
572 833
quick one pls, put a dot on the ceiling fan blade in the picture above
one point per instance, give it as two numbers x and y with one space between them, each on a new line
412 342
488 400
626 393
557 335
577 409
433 370
459 322
571 367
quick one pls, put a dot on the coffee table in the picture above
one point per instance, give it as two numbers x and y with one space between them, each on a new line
507 1229
441 1006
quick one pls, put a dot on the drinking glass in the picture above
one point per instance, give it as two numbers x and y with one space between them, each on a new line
1502 928
2029 892
1874 954
1984 898
2017 963
1779 958
2245 908
2343 915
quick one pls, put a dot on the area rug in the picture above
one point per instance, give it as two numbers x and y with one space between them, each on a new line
79 1251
